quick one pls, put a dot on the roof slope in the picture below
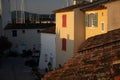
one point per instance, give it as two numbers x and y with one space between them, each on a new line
85 5
101 63
70 8
29 26
101 40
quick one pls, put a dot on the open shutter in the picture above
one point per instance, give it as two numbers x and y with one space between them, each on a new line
64 20
95 20
87 20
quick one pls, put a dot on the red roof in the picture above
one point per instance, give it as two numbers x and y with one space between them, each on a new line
100 40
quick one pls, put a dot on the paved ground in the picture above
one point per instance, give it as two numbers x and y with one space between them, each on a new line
14 69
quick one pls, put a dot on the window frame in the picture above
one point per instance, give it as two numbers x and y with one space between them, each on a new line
91 19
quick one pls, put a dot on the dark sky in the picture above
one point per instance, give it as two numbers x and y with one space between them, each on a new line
39 6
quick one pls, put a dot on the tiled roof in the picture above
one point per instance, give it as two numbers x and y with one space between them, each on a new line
86 6
70 8
29 26
100 40
102 63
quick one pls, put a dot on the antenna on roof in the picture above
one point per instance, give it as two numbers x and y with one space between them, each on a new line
67 2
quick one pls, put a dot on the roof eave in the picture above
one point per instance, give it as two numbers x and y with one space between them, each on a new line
93 4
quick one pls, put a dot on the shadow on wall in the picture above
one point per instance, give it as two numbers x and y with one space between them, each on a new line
64 48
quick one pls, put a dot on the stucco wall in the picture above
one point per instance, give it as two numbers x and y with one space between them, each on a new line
92 31
113 15
68 33
79 28
27 40
48 51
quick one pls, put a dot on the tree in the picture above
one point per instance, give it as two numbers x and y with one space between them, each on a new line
4 44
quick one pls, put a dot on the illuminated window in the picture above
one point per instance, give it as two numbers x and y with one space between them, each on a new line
64 20
64 44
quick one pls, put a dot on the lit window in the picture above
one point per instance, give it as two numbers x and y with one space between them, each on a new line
64 20
64 44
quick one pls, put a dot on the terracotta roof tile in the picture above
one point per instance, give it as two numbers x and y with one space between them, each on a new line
93 65
99 40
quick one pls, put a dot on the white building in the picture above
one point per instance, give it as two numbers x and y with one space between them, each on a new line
48 49
25 36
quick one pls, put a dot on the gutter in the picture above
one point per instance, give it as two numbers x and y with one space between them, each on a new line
93 4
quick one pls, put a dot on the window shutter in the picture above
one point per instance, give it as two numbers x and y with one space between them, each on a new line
64 44
87 20
95 20
64 19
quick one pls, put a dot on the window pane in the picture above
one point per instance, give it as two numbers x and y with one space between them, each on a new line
14 33
91 20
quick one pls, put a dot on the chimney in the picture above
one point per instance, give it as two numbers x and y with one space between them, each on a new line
74 2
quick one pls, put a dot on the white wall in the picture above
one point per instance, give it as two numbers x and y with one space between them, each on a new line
27 40
47 48
6 12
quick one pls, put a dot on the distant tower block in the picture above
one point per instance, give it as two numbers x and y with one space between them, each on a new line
6 12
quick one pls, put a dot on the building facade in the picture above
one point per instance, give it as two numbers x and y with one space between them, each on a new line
76 23
48 52
100 18
69 32
25 36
